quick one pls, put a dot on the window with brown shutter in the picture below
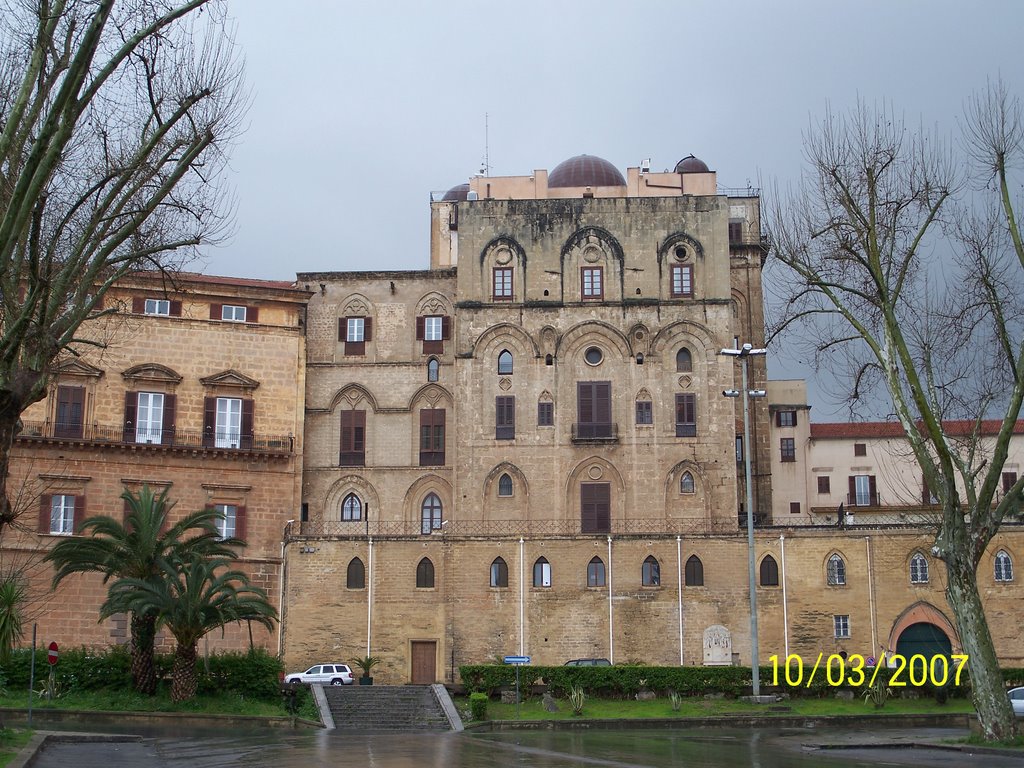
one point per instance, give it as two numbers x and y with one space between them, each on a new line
686 414
432 423
353 439
595 507
352 330
594 409
860 449
1009 480
434 330
785 418
824 484
70 420
504 417
863 491
545 414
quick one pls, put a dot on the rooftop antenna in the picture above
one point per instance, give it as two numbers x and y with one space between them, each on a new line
485 166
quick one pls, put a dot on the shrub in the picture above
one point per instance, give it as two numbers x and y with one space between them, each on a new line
251 674
576 699
478 706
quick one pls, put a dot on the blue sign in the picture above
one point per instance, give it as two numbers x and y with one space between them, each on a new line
517 659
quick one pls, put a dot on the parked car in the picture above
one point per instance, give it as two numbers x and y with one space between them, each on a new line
325 674
588 663
1017 701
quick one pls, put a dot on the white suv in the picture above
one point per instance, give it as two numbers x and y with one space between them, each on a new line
325 674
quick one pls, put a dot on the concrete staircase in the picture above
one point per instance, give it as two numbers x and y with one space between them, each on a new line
389 708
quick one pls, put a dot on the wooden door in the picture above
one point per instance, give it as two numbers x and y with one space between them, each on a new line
424 662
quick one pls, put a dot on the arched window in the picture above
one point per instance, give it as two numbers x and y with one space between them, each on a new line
595 573
769 572
356 578
686 484
684 361
351 508
835 572
505 485
650 573
694 574
505 363
425 574
1004 566
499 573
433 369
542 573
430 514
918 569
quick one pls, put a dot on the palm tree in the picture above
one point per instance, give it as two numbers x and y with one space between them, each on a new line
12 604
138 549
191 598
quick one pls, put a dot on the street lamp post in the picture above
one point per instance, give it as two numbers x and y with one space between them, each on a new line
744 353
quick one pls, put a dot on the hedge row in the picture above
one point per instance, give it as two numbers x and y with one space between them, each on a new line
253 674
627 681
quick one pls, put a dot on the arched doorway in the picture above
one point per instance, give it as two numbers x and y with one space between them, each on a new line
922 640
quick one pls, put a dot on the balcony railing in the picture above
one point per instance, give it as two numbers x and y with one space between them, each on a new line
863 500
100 434
512 528
595 433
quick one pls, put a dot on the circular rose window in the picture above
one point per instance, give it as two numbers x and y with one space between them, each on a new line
593 356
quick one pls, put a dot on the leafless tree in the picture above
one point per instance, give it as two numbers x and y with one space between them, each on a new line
899 258
115 118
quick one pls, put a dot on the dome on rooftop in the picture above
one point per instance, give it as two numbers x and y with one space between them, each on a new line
585 171
456 194
691 164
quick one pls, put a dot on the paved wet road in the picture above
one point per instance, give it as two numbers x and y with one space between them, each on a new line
704 748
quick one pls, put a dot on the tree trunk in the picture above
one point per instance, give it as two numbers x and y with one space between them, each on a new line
143 665
988 690
184 682
10 425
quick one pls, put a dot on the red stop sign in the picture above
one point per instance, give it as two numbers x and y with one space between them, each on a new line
51 655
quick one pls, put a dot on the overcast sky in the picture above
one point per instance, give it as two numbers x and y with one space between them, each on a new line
360 110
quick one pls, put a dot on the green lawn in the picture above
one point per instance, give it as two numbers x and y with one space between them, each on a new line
699 707
11 742
129 701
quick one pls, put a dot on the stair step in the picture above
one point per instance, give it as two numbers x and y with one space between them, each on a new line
385 707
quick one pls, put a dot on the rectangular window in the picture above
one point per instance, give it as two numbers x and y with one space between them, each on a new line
841 625
927 497
433 331
785 418
504 417
824 484
232 312
432 421
545 414
735 232
595 507
863 491
157 307
686 415
787 447
149 417
594 409
228 429
1009 479
62 515
502 284
592 280
682 280
353 439
794 507
355 332
644 412
227 525
70 412
860 449
432 328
